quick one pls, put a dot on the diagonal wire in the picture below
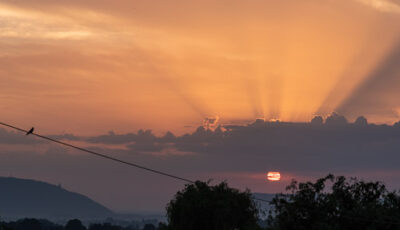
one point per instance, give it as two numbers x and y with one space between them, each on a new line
157 171
100 154
109 157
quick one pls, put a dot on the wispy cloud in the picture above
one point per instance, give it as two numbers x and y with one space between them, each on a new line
382 5
31 25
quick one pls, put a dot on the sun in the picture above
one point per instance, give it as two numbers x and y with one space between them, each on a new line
274 176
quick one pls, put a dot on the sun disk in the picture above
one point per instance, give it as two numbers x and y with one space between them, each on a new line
273 176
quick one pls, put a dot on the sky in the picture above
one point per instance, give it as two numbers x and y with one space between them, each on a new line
102 74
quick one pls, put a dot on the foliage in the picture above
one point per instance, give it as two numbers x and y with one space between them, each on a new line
200 206
31 224
162 226
149 227
346 204
74 224
105 226
41 224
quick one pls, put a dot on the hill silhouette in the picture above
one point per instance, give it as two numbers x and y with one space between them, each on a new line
265 206
29 198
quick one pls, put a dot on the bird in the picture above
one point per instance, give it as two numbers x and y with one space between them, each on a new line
30 131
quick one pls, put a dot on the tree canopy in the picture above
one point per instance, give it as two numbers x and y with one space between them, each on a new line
201 206
74 224
336 203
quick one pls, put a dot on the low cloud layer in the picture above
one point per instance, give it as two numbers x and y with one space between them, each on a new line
239 153
316 146
313 146
15 138
320 145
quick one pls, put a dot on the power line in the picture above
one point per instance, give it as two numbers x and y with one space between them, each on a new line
107 157
30 132
100 154
149 169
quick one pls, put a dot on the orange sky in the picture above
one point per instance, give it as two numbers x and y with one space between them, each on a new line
91 66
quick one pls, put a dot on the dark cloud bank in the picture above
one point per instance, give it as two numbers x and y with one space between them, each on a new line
229 152
319 145
15 138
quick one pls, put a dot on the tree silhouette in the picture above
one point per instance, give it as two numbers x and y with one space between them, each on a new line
3 226
149 227
31 224
346 204
200 206
105 226
162 226
74 224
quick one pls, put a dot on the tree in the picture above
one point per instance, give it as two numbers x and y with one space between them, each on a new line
149 227
74 224
162 226
3 226
200 206
105 226
346 204
28 223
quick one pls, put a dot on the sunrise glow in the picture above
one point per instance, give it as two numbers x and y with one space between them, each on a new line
236 62
274 176
252 92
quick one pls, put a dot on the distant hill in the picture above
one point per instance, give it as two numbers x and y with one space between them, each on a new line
29 198
264 196
265 206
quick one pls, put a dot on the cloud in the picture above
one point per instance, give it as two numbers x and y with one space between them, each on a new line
33 25
86 66
14 138
317 146
321 145
382 5
333 144
211 122
112 138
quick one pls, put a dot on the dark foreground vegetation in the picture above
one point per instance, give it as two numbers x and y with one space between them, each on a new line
336 203
75 224
329 203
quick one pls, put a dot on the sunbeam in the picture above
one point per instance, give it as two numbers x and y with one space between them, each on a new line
378 94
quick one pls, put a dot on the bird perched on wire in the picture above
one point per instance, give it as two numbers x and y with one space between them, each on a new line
30 131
